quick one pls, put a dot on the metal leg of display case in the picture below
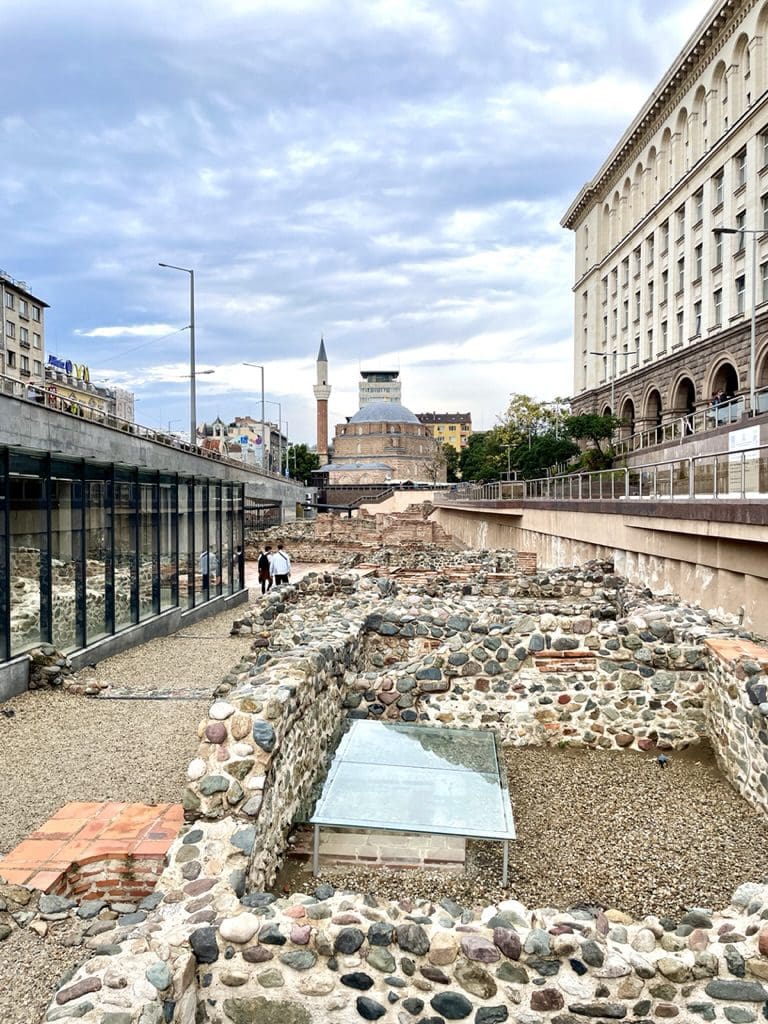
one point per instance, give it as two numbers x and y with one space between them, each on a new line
316 852
505 863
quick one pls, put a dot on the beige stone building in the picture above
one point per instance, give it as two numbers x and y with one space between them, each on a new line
382 443
22 336
663 302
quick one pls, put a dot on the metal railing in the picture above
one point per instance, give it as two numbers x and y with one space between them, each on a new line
731 475
48 396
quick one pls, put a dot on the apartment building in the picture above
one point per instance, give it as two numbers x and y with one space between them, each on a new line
22 335
379 386
454 428
663 299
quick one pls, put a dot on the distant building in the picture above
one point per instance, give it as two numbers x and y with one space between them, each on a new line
22 335
68 387
453 428
379 386
244 437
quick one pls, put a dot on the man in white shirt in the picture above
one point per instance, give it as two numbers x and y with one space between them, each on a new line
281 566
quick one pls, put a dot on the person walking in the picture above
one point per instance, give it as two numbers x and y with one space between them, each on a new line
281 566
265 568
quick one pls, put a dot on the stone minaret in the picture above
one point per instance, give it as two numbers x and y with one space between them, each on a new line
322 393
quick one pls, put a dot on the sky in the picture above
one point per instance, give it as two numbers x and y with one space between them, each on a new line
387 174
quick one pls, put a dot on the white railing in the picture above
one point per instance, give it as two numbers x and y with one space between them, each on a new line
731 475
48 396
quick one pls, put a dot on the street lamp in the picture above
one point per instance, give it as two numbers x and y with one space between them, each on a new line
752 334
192 375
509 456
258 366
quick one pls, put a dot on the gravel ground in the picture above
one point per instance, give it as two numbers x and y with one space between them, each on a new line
607 828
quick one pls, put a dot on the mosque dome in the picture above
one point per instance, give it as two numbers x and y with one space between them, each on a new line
384 412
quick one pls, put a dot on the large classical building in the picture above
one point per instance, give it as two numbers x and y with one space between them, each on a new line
22 335
663 300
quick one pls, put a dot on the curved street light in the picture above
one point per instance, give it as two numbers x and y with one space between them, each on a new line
192 374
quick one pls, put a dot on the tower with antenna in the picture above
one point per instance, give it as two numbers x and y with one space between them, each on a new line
322 391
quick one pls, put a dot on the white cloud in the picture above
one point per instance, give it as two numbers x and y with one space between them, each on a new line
129 331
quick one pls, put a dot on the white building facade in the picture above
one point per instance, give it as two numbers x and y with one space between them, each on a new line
663 302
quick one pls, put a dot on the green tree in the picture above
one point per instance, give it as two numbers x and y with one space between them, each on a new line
452 460
301 462
599 430
545 451
484 458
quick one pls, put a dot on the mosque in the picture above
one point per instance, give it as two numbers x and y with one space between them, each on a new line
382 443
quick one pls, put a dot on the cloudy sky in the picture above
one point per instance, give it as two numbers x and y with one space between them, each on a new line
387 173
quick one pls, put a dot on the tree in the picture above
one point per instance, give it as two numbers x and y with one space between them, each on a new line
545 451
301 462
484 458
452 460
590 426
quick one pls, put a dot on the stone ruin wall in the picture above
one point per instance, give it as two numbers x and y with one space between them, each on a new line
214 954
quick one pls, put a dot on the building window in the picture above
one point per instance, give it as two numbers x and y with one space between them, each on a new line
740 289
649 344
681 273
615 280
698 206
24 364
741 223
718 251
764 148
36 341
717 306
680 327
625 271
649 248
650 297
11 359
23 308
680 220
764 282
697 318
605 288
663 339
697 261
625 315
24 336
36 313
764 208
636 261
740 168
605 328
718 188
10 329
664 285
38 368
8 300
637 306
615 322
664 232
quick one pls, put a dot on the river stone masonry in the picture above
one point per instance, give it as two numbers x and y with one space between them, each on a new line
219 947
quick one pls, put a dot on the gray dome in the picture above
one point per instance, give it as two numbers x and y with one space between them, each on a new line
384 412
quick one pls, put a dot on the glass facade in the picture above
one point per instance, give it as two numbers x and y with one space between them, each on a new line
87 550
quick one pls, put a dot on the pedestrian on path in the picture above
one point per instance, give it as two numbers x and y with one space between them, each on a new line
281 566
265 568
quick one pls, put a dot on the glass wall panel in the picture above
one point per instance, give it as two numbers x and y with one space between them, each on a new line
125 539
147 550
214 535
186 547
168 529
66 561
202 577
238 524
5 639
28 549
228 571
97 545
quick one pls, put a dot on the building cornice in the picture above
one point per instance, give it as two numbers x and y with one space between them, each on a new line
722 19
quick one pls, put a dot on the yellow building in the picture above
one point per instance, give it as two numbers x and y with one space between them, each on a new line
453 428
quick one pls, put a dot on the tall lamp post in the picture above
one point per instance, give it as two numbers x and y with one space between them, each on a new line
752 334
279 434
192 375
509 456
258 366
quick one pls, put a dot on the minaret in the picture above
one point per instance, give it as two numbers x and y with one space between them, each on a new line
322 393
